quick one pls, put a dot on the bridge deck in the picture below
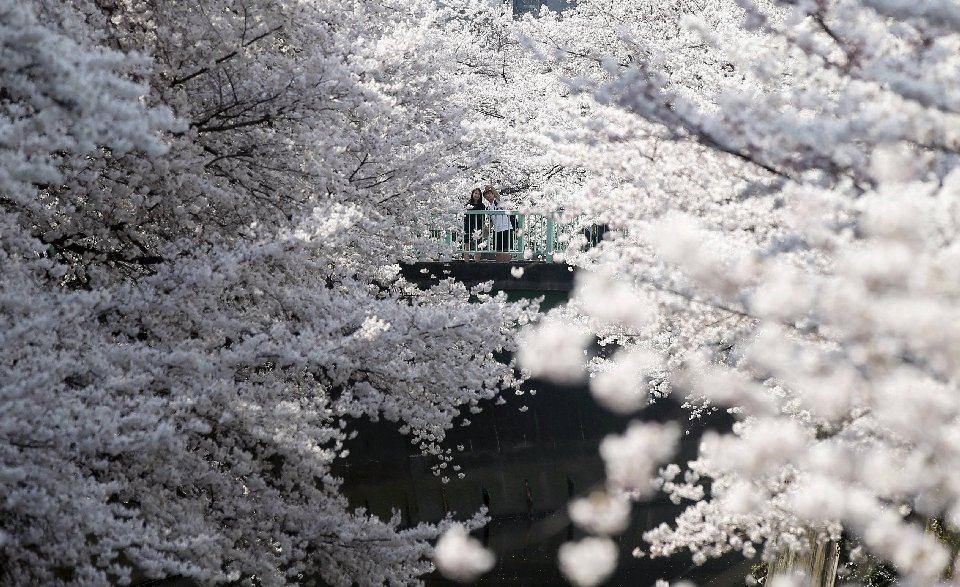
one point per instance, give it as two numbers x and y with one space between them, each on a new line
536 276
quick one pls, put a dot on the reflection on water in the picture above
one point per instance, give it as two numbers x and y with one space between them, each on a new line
525 467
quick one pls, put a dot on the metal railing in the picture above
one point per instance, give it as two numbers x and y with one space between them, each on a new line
510 235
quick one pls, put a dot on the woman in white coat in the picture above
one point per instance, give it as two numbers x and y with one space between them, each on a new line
502 227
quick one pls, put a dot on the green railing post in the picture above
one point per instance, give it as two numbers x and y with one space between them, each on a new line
521 237
551 229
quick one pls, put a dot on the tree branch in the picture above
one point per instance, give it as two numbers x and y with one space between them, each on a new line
182 80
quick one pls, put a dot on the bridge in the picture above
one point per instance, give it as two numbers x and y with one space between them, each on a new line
472 235
525 261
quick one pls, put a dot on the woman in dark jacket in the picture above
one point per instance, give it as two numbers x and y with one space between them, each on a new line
472 223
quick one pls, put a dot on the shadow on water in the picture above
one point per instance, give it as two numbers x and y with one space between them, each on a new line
525 467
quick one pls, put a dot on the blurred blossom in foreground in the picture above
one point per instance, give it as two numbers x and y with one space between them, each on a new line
632 459
601 513
588 562
622 388
612 301
460 557
554 351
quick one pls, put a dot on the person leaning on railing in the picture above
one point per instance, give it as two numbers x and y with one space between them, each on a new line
502 228
472 223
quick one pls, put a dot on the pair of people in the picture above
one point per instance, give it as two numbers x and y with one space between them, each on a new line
501 225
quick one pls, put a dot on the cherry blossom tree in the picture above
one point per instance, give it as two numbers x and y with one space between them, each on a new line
202 207
507 97
514 98
524 79
805 286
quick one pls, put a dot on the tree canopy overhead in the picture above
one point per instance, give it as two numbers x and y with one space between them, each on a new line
804 285
202 207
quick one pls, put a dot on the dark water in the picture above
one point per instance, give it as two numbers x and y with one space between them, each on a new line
525 466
